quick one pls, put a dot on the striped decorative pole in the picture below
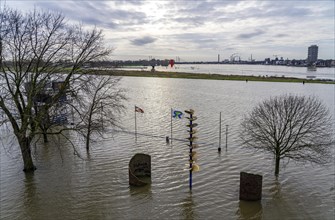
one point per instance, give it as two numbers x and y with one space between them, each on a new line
192 138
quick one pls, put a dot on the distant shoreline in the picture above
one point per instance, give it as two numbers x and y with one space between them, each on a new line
183 75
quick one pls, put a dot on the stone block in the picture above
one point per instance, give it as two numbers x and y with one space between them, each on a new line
250 186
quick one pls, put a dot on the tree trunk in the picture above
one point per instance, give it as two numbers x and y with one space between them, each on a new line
45 137
88 136
26 155
277 165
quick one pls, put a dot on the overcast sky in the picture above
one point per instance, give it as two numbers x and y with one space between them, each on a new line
200 30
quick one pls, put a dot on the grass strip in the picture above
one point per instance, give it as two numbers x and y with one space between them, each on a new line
183 75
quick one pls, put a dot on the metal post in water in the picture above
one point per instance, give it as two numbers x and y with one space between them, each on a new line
135 125
171 125
219 149
226 137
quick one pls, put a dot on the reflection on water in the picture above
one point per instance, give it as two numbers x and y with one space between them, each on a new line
275 190
188 207
141 192
96 186
30 194
250 210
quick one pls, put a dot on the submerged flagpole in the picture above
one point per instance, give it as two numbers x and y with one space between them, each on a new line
137 109
135 124
219 149
171 125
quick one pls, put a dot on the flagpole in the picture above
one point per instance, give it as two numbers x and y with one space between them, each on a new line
135 124
171 125
220 134
226 137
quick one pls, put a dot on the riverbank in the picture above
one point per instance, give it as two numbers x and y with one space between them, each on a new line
184 75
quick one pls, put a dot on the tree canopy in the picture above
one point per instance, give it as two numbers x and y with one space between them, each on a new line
37 49
290 126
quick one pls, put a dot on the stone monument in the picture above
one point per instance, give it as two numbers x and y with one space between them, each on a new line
140 170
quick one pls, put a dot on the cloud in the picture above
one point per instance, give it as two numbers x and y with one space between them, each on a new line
104 14
203 27
143 41
281 35
190 21
204 7
129 2
197 13
251 34
230 48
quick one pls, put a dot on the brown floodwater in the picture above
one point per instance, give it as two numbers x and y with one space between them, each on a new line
95 185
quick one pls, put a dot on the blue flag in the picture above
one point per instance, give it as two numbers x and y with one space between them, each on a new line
177 114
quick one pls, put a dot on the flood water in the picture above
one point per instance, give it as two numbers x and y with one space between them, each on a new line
95 186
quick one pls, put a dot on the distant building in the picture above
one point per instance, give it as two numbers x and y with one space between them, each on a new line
312 56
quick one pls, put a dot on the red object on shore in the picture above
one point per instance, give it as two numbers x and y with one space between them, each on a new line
171 62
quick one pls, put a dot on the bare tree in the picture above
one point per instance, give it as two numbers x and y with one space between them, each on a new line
99 105
36 48
290 126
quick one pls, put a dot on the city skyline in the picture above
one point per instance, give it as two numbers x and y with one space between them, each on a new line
200 30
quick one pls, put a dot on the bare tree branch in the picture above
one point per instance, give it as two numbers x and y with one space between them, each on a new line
289 126
99 103
36 49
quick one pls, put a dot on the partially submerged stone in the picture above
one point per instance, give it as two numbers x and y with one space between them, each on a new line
140 170
250 187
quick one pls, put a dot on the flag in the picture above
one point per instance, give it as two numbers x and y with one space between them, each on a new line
138 109
177 114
